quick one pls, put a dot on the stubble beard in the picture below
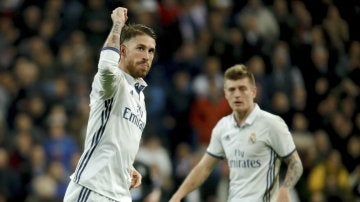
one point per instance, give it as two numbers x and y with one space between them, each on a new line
135 72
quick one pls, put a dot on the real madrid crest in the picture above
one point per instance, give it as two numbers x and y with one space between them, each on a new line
252 138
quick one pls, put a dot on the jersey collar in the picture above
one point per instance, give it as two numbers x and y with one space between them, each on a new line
251 118
139 83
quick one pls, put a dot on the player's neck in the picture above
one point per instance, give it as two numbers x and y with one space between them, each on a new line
241 116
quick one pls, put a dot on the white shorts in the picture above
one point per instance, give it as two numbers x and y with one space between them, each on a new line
78 193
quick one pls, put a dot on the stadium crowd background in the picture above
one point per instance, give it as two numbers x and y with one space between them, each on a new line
305 56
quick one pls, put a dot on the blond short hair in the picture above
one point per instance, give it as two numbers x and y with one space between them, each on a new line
239 71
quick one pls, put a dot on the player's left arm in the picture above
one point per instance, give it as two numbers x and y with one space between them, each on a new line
293 174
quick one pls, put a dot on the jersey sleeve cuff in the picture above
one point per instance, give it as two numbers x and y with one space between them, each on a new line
110 53
289 154
215 156
111 48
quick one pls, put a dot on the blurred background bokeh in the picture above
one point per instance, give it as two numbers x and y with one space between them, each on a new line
305 56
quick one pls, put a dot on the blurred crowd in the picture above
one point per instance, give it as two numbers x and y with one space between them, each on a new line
304 54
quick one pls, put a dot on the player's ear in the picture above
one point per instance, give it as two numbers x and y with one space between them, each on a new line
122 50
254 90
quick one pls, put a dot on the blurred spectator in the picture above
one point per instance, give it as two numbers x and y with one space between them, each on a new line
210 75
264 23
340 130
30 21
322 144
153 154
234 51
280 105
25 75
38 160
355 183
209 104
43 189
303 23
330 178
352 155
37 108
217 25
300 130
187 58
284 76
182 162
59 145
336 28
19 161
284 18
310 157
256 65
179 100
348 68
193 18
95 22
169 12
9 34
148 191
24 125
58 173
9 180
78 121
51 185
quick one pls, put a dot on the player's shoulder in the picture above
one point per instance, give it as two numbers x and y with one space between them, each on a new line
225 121
268 117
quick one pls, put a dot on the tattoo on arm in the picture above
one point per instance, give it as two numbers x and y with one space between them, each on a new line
294 170
116 28
113 39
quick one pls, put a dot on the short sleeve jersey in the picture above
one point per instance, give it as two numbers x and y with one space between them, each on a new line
116 121
253 152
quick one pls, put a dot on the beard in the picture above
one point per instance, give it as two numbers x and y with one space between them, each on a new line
136 69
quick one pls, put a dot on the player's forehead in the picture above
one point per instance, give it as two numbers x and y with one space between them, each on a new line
143 40
231 83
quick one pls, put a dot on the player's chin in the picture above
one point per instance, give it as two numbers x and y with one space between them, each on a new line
238 107
143 73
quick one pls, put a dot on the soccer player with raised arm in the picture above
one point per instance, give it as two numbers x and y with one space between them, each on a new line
117 117
253 142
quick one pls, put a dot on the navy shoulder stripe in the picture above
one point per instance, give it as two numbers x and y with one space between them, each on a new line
284 157
111 48
215 156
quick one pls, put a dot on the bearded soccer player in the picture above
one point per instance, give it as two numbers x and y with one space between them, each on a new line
117 117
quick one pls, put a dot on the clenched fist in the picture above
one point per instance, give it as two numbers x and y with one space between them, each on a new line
119 15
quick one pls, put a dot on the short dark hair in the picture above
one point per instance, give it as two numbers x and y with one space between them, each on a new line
239 71
132 30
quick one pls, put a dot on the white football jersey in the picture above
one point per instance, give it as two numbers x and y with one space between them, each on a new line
253 153
116 122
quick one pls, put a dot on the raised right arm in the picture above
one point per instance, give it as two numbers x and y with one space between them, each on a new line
110 54
118 17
